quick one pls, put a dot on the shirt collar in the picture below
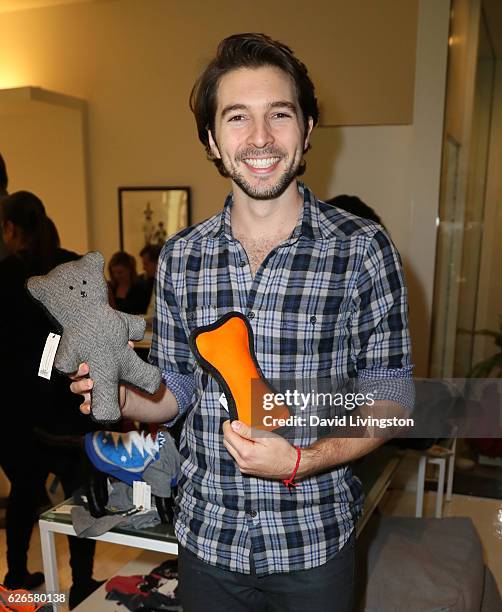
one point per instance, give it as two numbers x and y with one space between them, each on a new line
224 227
308 225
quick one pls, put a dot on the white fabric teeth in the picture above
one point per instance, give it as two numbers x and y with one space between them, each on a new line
151 446
262 163
143 443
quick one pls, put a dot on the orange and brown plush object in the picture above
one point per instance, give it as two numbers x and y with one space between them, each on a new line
225 350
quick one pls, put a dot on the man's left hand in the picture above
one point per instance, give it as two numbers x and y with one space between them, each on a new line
259 453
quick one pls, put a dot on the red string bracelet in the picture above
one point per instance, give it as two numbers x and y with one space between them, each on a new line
288 482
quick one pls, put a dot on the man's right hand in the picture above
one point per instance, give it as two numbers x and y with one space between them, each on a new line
160 407
82 385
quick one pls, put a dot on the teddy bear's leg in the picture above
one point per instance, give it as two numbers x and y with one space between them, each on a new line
140 373
105 400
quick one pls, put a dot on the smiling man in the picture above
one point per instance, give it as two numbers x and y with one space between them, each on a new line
324 294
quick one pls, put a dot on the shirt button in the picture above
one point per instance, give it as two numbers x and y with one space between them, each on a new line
242 263
313 319
250 315
253 514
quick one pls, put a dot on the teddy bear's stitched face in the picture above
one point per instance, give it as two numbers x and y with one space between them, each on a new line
79 286
72 289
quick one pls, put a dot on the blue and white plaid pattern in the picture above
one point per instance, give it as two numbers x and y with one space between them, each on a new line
328 302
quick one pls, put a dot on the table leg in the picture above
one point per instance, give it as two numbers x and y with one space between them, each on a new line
49 560
419 506
440 492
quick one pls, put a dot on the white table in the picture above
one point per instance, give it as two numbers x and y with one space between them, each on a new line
159 538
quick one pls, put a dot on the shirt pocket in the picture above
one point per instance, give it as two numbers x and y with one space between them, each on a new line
313 342
200 316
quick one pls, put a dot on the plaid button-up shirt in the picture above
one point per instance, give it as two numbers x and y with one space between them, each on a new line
329 301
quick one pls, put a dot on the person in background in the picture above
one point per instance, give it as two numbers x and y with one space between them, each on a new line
356 206
149 258
33 408
4 181
126 289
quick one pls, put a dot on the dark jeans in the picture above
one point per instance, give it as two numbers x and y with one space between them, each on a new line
327 588
27 463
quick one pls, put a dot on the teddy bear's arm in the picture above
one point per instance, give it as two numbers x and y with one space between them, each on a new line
135 325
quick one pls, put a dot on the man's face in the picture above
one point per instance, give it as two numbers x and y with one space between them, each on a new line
259 133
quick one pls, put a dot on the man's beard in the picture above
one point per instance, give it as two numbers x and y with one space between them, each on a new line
267 192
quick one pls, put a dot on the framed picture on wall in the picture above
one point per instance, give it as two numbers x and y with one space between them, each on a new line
150 215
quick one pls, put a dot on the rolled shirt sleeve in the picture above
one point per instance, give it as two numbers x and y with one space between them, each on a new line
170 350
380 333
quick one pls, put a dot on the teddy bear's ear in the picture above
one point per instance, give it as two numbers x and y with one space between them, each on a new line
36 287
95 260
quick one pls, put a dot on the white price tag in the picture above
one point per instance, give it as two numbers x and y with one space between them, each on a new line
223 401
142 495
50 348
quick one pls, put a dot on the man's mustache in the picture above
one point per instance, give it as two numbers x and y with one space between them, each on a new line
253 152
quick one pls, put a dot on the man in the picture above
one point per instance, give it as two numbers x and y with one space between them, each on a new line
149 257
324 295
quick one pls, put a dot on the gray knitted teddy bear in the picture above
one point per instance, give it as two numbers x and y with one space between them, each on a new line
76 295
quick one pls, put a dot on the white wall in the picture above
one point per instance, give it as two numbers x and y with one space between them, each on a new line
43 141
489 313
371 162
